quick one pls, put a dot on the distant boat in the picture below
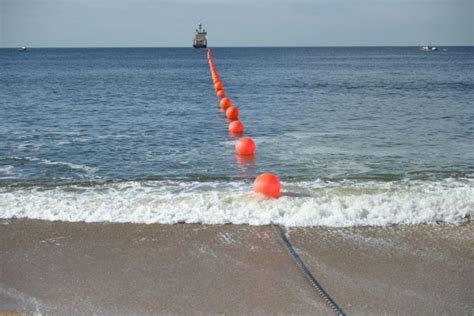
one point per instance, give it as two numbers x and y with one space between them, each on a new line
429 48
22 49
200 40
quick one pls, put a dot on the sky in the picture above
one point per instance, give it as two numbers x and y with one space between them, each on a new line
155 23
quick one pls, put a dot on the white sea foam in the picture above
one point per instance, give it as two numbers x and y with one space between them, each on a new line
26 302
346 203
86 169
6 170
29 146
9 172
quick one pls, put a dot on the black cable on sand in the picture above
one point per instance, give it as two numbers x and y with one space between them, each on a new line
279 231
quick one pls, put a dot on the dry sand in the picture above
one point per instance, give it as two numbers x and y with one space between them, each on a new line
129 269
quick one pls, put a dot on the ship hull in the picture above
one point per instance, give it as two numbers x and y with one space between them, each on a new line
199 46
429 49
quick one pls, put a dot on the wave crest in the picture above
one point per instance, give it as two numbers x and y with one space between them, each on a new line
339 204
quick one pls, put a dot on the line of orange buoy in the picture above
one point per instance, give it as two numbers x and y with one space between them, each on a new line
266 184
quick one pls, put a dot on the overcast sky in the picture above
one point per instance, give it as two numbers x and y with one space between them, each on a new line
149 23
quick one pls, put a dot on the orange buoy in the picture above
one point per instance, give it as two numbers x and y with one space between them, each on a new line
225 103
232 113
245 146
218 86
221 93
267 184
236 127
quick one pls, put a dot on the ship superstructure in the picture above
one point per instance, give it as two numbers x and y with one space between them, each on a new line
200 40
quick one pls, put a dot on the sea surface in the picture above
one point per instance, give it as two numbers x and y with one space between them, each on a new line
358 136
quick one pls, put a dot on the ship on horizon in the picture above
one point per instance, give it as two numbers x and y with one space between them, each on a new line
429 48
200 40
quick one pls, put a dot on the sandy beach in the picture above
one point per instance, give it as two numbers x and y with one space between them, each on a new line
116 269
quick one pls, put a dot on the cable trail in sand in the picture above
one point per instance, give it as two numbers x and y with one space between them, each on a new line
331 303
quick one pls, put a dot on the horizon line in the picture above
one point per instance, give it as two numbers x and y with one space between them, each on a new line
296 46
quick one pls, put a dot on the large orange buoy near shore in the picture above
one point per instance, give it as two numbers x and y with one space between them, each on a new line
245 146
236 127
232 113
225 104
267 184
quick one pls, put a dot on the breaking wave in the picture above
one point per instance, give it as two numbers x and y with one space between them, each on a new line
338 204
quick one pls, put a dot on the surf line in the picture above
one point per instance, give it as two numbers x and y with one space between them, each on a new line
299 262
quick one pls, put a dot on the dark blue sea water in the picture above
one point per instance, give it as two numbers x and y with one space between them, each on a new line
358 135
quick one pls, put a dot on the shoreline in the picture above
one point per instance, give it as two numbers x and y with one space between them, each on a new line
123 268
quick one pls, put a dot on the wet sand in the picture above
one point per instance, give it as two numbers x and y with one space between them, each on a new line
116 269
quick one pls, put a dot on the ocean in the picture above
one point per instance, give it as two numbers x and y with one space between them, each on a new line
358 136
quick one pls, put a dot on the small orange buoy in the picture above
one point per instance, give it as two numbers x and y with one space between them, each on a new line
245 146
218 86
221 93
232 113
267 184
236 127
225 103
